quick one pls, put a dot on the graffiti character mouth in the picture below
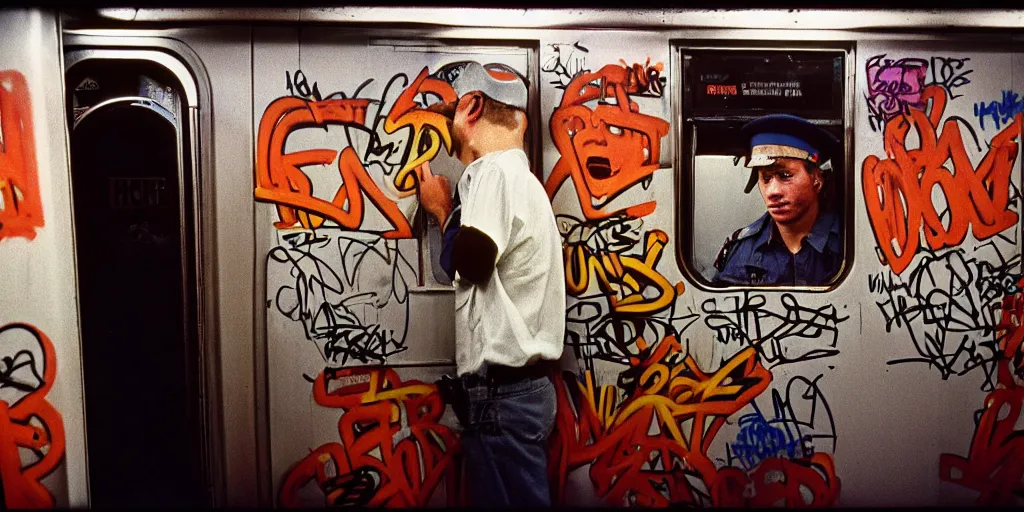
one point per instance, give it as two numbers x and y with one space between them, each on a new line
599 167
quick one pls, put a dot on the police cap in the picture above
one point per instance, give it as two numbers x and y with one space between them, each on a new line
783 135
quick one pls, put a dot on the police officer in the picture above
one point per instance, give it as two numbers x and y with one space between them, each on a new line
796 241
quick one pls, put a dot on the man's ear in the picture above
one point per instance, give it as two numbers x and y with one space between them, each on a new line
819 179
474 107
524 122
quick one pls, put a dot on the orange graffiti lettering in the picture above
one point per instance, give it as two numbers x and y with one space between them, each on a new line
631 466
21 210
611 148
28 422
328 466
801 483
1011 343
281 181
393 450
974 197
995 464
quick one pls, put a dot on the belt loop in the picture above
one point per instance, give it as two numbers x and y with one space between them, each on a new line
489 381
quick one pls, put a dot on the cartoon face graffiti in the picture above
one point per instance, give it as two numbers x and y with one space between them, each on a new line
611 147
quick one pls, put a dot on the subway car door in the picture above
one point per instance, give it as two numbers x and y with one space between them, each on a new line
131 169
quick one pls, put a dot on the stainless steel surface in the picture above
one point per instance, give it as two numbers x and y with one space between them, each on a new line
39 273
795 19
227 149
136 101
83 476
978 37
868 394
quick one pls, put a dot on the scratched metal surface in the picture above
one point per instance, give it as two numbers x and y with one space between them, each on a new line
931 328
835 364
225 56
43 449
366 281
835 19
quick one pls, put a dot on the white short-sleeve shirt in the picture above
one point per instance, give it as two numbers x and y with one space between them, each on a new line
519 315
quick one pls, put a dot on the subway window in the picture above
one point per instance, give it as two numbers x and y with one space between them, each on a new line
763 192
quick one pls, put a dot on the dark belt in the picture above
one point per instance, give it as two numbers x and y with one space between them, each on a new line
498 375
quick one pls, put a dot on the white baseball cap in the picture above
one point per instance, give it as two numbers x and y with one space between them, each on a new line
498 82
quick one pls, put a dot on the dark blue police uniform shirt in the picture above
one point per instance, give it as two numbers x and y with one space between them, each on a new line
756 255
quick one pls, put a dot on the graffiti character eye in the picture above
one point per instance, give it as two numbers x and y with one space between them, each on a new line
614 130
574 125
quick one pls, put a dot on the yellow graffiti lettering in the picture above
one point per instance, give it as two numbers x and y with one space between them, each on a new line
423 123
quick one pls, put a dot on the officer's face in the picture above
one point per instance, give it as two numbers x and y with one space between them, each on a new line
788 190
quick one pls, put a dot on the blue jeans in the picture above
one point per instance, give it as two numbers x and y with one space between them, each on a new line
505 443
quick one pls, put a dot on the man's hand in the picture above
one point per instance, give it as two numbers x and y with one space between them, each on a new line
435 194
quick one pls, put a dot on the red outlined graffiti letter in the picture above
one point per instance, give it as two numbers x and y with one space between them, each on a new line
898 190
28 422
21 210
280 179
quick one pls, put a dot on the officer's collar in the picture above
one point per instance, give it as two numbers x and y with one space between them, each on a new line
821 233
819 238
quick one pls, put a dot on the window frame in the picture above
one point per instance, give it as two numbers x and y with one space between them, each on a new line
684 157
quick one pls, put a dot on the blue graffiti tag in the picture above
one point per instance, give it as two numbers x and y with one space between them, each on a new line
1001 112
785 436
758 440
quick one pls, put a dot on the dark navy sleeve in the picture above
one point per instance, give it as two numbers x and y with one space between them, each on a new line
736 267
722 260
451 228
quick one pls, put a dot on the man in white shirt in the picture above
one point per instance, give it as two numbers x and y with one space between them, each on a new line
504 252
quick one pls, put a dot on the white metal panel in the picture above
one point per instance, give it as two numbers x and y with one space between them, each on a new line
38 266
891 422
226 56
927 405
570 19
374 279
